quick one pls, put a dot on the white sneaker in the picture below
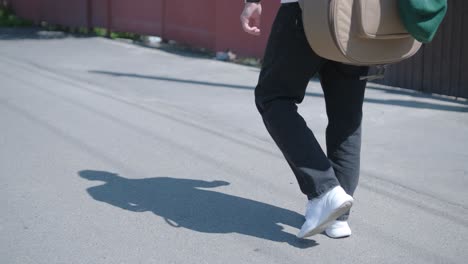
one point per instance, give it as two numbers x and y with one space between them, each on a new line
338 229
322 211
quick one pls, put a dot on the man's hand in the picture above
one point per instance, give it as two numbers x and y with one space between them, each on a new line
250 18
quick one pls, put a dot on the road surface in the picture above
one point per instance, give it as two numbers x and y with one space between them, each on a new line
115 153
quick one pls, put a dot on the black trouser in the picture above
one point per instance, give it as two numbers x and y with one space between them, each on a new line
288 65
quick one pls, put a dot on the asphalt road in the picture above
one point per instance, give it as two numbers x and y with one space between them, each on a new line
116 153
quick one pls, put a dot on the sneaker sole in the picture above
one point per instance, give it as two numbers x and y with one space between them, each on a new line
337 237
332 217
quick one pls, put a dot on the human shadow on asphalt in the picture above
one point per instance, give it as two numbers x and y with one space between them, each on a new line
188 203
461 107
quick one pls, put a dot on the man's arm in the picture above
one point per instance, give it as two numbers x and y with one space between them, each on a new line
250 17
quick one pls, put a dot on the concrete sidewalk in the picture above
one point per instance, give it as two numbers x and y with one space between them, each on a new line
116 153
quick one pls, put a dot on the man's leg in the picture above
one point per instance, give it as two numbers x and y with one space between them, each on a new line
344 96
289 63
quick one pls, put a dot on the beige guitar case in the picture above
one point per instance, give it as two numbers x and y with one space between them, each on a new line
358 32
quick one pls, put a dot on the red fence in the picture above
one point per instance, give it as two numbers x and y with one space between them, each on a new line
211 24
214 24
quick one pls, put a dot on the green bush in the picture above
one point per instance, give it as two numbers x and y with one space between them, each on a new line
9 19
102 32
124 35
